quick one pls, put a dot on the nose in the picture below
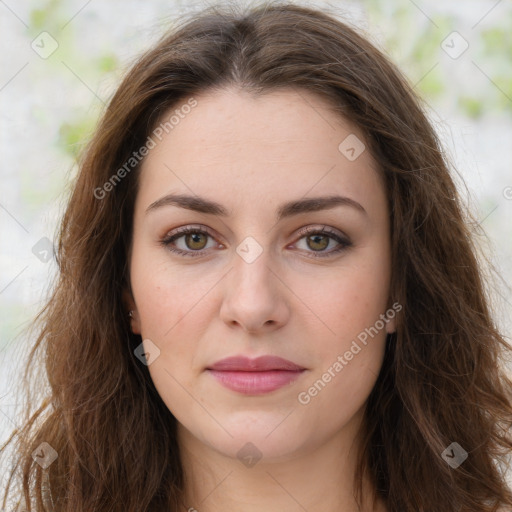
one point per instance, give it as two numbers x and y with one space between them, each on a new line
255 297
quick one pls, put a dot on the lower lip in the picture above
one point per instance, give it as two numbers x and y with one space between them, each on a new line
255 383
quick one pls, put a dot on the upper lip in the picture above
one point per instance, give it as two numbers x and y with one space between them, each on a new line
260 364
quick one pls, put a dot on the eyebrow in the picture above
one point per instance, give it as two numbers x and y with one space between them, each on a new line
288 209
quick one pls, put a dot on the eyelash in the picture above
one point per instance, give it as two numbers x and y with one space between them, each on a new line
168 240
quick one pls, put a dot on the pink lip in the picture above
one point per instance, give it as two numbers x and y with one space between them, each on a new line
255 376
260 364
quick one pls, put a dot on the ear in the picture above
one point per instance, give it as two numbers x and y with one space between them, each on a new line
391 326
129 306
391 314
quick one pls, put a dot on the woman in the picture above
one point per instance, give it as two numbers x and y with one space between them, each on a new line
269 297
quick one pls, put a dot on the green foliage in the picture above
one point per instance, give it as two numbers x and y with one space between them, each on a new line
413 34
73 136
472 107
55 17
412 39
46 17
107 63
497 40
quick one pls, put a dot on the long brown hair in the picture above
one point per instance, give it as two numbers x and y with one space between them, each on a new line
442 379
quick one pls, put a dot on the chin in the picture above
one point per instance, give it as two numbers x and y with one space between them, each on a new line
260 440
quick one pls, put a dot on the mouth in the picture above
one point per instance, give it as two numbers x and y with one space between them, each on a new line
255 376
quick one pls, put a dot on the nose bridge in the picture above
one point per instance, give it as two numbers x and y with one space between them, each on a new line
252 272
252 295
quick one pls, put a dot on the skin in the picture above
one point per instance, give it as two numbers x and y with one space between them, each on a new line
251 155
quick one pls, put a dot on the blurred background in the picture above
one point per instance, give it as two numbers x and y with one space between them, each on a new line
62 60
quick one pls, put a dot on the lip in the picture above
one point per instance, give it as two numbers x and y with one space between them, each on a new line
260 364
255 376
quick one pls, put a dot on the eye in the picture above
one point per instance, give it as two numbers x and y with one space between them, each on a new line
195 240
319 239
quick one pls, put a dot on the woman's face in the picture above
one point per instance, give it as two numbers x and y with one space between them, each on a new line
250 176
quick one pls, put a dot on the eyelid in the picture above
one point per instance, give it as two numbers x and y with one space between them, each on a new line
325 229
188 228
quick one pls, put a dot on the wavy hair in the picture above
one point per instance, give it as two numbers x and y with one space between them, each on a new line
442 379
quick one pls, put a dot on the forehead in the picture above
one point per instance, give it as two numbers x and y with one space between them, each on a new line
239 119
280 144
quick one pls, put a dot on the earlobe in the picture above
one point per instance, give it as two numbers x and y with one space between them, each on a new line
134 321
131 311
391 325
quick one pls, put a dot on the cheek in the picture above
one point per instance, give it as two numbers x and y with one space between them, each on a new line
170 304
334 397
349 361
347 309
166 296
347 300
